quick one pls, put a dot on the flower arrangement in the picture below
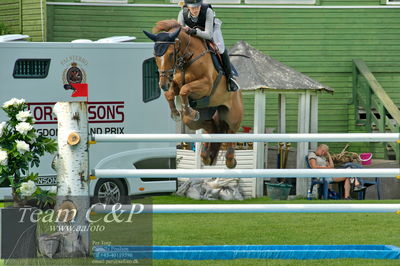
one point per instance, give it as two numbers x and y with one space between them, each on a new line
20 149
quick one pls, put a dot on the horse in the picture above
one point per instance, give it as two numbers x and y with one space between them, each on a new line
186 70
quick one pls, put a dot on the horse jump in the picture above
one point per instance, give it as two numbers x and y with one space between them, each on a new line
186 70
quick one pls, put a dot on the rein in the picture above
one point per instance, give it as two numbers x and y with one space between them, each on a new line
169 73
183 63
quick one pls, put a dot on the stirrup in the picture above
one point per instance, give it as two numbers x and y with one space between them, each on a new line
233 85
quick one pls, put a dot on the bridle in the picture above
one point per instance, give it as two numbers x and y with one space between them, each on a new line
169 73
180 61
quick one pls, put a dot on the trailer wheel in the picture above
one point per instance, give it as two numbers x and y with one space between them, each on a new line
110 191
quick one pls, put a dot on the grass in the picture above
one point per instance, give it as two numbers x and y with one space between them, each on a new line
171 199
256 229
274 229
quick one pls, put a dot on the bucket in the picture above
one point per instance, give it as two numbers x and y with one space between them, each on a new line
246 129
278 191
365 158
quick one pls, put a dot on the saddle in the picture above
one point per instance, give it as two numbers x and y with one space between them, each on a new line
215 56
217 59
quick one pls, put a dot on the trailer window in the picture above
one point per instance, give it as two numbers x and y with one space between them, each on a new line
31 68
156 163
150 80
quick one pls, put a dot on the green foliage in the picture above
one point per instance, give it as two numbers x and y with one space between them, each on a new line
4 29
44 198
20 149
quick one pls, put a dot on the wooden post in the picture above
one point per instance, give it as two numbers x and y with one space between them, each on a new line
197 152
303 125
72 177
259 127
282 113
368 102
314 119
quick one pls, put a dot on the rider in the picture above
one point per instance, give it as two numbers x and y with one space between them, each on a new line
198 19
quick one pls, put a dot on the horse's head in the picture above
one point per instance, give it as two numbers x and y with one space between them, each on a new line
165 54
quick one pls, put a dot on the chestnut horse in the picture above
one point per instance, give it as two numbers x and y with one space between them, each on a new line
186 69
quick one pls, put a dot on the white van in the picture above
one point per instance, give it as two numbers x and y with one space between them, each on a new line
123 98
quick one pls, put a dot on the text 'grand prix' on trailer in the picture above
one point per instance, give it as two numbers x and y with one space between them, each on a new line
123 97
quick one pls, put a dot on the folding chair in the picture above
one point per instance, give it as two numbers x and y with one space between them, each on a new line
366 183
323 189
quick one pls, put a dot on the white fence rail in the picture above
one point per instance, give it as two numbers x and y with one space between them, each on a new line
340 137
245 173
249 208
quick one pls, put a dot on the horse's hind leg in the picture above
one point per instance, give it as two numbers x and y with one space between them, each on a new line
230 160
206 156
232 118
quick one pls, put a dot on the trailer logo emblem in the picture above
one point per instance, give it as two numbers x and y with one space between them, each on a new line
74 74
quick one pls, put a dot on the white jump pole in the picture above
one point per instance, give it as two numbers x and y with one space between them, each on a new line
245 173
339 137
249 208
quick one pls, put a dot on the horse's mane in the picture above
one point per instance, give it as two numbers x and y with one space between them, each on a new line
165 25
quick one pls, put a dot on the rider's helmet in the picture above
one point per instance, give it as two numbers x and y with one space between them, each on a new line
193 3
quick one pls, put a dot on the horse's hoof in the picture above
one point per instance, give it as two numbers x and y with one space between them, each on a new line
176 116
207 160
195 115
231 163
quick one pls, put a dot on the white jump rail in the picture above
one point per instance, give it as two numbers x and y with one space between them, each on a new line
245 173
339 137
249 208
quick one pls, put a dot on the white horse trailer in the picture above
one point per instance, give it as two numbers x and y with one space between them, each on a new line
123 97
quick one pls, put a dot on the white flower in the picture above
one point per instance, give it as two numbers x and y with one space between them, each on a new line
23 115
23 128
3 157
13 102
20 101
27 188
10 102
2 125
22 146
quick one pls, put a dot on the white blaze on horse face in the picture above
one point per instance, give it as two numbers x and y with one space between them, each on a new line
161 63
165 67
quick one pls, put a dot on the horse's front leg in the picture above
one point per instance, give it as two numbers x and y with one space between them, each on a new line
188 112
170 96
193 88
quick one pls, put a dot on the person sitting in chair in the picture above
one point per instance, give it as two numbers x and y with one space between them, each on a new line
321 159
198 19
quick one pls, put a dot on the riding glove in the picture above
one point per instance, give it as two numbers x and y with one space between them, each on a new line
191 31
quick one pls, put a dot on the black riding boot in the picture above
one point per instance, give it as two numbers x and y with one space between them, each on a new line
232 84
